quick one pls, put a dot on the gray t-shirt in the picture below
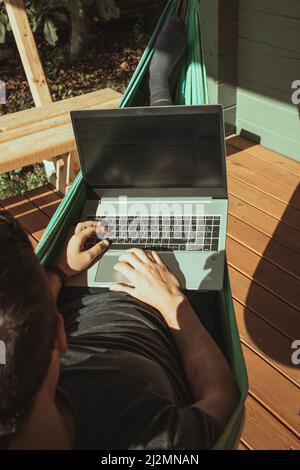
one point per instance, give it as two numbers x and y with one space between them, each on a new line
124 378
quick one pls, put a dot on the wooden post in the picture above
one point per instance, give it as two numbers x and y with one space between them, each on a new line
61 173
73 166
28 51
35 75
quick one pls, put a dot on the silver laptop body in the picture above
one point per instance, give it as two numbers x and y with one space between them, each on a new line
156 179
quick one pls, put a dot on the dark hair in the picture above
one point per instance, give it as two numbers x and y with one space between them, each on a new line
27 327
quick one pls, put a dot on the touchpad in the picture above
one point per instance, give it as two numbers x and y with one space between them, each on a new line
106 272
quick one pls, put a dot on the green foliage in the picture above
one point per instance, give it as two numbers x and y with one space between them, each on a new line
21 180
2 33
50 32
107 9
140 35
52 16
4 24
47 17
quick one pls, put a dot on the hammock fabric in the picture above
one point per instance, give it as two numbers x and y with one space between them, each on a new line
191 90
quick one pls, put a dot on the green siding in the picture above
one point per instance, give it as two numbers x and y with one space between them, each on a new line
272 140
271 114
209 26
268 63
219 29
252 55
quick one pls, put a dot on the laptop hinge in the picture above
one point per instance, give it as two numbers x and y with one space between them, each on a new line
132 200
194 194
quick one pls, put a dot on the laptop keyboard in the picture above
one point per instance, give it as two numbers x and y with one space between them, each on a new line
161 233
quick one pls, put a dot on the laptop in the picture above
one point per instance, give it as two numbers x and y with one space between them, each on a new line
155 179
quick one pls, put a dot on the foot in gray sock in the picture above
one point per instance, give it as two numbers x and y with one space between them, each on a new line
169 49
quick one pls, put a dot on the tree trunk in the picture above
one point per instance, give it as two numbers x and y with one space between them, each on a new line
78 28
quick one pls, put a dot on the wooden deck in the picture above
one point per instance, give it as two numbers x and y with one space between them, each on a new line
263 249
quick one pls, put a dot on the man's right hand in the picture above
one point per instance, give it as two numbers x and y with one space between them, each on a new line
73 257
149 280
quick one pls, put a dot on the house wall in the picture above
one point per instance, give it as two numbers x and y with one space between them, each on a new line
268 62
220 35
252 55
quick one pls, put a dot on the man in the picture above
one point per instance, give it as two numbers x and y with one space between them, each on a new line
133 368
129 369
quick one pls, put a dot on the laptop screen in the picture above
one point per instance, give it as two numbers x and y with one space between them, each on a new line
151 151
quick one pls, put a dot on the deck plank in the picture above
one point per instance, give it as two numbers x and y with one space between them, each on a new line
47 199
265 223
278 174
30 217
268 155
265 273
264 246
273 391
239 170
266 341
262 431
32 240
264 304
266 203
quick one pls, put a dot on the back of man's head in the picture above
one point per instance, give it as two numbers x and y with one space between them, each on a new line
27 327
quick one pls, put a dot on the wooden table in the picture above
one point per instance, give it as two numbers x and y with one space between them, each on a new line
45 133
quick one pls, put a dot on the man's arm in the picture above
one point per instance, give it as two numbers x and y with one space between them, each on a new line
209 375
74 258
211 380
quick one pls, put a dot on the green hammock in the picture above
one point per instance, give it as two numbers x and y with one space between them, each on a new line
191 90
